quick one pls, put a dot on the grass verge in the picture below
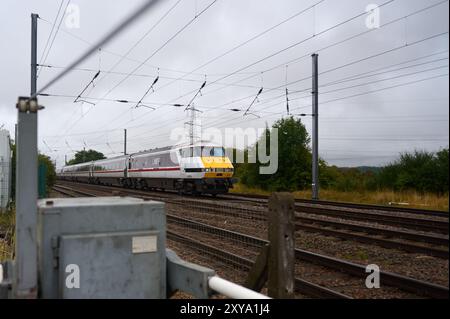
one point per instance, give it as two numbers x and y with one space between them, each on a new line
404 199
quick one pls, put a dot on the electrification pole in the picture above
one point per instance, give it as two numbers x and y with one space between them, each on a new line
27 184
315 126
125 142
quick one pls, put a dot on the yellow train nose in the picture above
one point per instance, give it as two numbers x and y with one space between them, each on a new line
217 167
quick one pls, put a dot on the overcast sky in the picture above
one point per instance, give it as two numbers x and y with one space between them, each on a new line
394 99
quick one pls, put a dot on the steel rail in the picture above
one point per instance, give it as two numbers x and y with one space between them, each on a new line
402 282
301 286
382 208
252 214
418 287
399 221
436 252
429 239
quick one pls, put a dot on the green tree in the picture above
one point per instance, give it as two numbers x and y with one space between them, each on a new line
50 170
44 160
421 171
86 156
294 160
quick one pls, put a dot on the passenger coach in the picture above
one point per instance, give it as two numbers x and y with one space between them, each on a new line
202 168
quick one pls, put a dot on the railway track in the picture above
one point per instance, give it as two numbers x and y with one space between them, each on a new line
365 234
424 223
381 208
405 283
418 287
301 286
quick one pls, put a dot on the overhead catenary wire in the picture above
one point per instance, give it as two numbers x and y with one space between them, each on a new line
108 37
139 103
333 44
188 106
354 62
153 27
292 46
379 90
163 77
253 102
128 75
340 67
337 99
79 96
177 33
242 44
45 55
336 43
51 32
113 53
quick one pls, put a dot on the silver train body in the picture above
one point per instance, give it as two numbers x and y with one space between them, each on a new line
202 168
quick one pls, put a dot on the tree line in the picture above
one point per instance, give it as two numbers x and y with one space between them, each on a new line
420 171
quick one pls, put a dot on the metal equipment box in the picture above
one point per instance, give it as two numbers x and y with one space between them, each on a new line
116 245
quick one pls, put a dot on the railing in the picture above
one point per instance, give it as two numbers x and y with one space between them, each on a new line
232 290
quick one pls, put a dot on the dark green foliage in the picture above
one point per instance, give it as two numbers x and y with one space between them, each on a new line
420 171
294 160
43 160
86 156
50 170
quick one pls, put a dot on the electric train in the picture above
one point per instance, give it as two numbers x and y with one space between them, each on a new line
200 168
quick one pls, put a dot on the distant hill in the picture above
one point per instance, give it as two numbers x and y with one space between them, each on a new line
363 169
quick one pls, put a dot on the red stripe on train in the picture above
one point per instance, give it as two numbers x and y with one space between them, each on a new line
154 169
136 170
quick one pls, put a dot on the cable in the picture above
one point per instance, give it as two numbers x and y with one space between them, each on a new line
350 38
245 42
154 53
161 47
296 44
340 67
108 37
51 31
335 44
228 75
376 81
54 37
345 97
253 102
145 94
153 75
378 90
117 54
142 38
324 85
86 87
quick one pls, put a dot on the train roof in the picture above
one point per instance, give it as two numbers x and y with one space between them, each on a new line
150 151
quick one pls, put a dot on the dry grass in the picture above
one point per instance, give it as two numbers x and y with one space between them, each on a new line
404 199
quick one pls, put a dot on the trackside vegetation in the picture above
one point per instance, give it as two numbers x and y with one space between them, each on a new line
419 172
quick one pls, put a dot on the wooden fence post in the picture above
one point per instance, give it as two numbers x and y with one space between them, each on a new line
281 261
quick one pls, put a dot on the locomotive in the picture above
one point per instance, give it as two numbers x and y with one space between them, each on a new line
199 168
